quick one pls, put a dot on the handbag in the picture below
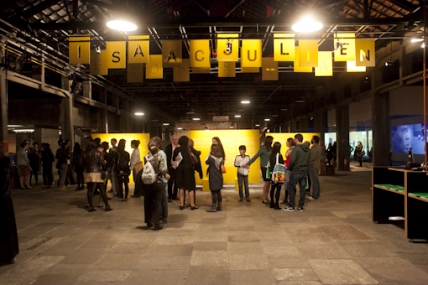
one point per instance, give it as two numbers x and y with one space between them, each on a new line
138 166
278 173
223 169
268 172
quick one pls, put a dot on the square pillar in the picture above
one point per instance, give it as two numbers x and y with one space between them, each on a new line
67 125
320 123
87 89
381 130
342 127
3 109
303 125
103 113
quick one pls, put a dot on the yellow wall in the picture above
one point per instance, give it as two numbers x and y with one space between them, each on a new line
143 138
231 140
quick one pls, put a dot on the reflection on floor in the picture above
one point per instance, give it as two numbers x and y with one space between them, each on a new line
333 241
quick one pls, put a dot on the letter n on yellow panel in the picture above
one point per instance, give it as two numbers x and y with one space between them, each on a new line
365 53
182 74
270 69
154 69
325 64
226 69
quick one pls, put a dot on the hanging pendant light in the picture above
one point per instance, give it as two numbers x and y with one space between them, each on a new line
307 25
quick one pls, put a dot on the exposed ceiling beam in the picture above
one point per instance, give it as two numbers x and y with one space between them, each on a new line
34 10
406 5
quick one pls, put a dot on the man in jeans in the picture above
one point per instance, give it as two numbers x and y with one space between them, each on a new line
299 163
314 166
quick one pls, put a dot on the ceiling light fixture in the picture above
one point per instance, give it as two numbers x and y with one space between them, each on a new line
416 40
196 119
166 124
179 128
121 25
245 102
267 120
237 116
307 25
257 125
139 114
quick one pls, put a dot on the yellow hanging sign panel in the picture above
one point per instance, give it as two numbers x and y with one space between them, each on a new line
365 53
283 47
226 69
182 73
251 53
200 53
344 47
135 73
116 55
138 49
227 47
98 64
308 53
325 64
154 68
171 53
202 70
270 69
250 69
351 67
297 67
79 50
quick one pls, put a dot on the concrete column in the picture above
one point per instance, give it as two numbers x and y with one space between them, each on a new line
342 127
303 124
4 107
67 125
103 113
87 89
320 123
381 130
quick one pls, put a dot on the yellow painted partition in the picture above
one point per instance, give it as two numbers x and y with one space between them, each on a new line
231 140
143 138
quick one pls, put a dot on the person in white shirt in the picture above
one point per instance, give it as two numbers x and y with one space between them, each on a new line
241 160
136 163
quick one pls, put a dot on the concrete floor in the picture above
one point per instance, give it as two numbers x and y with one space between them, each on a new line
333 241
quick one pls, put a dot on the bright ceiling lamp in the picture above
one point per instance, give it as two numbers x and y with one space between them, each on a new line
245 102
307 25
121 25
416 40
139 114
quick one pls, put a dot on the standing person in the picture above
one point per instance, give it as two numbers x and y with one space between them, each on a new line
314 166
153 193
330 154
78 162
172 168
164 203
34 155
113 173
359 153
333 150
215 177
290 144
185 173
264 154
63 157
9 246
93 174
299 163
275 189
47 160
217 141
136 164
241 160
70 177
24 168
123 170
198 166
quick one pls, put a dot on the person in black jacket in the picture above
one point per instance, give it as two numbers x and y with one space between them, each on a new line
276 151
78 162
172 165
47 160
123 170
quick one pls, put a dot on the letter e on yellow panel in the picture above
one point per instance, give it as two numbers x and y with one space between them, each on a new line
269 69
138 49
344 47
200 53
283 47
365 53
154 69
79 51
325 64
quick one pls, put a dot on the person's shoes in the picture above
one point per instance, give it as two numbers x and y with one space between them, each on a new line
310 198
284 202
169 200
134 196
219 207
28 187
276 206
108 209
62 188
157 227
272 205
100 206
240 200
91 209
124 200
149 225
181 207
164 221
212 210
248 199
117 198
110 191
174 198
289 209
193 208
299 209
108 198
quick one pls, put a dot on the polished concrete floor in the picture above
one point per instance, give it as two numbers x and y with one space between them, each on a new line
333 241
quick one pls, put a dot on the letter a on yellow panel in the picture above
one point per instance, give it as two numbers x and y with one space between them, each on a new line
79 50
297 67
283 47
182 73
138 49
154 68
227 47
200 53
325 64
269 69
251 53
308 53
344 47
116 55
365 53
171 53
135 73
98 65
226 69
351 67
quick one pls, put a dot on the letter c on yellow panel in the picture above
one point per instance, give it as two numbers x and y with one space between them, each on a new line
200 53
154 69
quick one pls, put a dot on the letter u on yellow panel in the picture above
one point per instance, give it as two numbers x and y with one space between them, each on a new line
251 53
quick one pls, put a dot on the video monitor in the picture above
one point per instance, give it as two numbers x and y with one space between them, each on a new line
405 137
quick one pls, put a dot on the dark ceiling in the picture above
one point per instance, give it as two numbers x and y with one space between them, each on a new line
51 21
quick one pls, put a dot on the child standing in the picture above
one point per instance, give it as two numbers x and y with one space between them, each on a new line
240 160
215 177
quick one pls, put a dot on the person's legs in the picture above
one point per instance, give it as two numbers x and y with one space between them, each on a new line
302 182
156 205
361 162
27 181
148 197
292 190
90 194
219 201
164 203
181 197
266 191
240 185
277 195
114 181
272 192
120 182
45 177
313 177
21 181
104 196
126 181
247 189
192 199
214 198
50 178
63 175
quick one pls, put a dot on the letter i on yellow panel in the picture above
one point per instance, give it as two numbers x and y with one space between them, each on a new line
154 69
297 67
79 50
308 53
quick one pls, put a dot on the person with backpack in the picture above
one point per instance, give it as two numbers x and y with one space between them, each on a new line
79 164
123 171
215 177
153 172
276 184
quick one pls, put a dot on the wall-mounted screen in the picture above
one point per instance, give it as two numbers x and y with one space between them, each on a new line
405 137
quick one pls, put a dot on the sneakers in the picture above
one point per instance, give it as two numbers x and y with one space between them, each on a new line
310 198
248 199
289 209
299 209
240 200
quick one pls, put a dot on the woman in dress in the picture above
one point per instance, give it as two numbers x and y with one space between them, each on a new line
24 168
63 157
185 173
217 141
275 189
215 177
123 170
264 154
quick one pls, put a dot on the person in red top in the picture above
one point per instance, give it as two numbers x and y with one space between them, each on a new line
290 144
